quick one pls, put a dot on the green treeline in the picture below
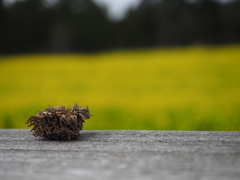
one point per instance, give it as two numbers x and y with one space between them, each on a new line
81 26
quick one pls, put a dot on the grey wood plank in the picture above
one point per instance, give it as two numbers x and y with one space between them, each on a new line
180 155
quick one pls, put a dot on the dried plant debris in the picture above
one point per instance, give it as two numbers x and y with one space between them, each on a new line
59 123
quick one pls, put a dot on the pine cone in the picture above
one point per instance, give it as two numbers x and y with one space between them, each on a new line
59 123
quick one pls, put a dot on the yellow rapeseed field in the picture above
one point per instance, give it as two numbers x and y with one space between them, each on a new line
189 88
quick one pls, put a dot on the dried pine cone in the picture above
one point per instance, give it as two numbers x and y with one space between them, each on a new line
59 123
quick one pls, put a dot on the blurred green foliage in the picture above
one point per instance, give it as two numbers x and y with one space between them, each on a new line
191 88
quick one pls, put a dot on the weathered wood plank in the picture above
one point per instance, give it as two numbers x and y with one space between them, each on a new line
121 155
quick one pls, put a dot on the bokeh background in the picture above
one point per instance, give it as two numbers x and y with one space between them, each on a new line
137 64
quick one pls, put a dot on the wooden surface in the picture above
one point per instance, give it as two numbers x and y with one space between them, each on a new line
113 155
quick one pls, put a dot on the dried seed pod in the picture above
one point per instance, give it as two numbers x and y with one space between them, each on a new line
59 123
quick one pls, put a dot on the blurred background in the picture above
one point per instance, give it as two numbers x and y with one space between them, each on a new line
137 64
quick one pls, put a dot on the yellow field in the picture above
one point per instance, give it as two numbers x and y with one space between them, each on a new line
194 88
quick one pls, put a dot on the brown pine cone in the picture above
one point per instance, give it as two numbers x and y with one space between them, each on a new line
59 123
